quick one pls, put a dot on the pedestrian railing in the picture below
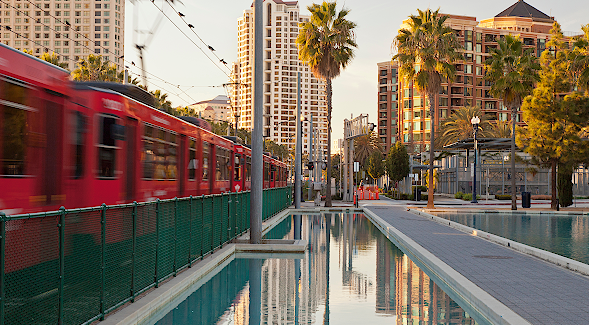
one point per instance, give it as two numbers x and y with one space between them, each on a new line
75 266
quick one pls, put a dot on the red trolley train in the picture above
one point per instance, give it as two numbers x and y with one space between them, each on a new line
83 144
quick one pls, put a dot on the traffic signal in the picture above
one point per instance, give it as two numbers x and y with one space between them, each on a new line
310 165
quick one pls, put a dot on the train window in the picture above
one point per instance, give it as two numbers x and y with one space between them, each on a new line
205 160
237 167
14 127
159 154
78 128
148 155
266 172
248 169
192 163
107 147
223 160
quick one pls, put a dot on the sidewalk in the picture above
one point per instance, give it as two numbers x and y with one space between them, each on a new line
538 291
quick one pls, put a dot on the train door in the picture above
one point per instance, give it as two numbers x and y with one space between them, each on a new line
182 166
53 176
131 174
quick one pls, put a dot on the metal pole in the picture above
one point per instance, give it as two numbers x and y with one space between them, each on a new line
255 294
474 174
2 262
62 263
351 169
299 147
344 178
256 199
311 172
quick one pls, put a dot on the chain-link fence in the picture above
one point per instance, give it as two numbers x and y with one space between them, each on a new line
76 266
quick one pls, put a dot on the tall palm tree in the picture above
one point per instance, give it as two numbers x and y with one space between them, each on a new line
326 43
94 68
513 72
426 55
458 127
162 103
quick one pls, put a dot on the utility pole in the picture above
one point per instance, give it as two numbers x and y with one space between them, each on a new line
310 192
299 147
256 199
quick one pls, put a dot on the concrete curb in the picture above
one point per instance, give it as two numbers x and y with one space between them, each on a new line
468 210
547 256
482 302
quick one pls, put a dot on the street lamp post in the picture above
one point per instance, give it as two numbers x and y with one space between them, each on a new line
475 121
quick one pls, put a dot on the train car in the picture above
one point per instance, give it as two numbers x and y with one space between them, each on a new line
34 98
77 145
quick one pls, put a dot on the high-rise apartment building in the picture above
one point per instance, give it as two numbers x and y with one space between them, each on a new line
281 65
71 28
403 110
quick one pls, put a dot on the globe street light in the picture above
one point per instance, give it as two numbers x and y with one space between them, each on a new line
475 121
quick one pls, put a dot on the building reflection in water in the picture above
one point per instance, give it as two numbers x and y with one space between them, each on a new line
369 277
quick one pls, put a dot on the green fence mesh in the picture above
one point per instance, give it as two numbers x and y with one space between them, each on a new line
75 266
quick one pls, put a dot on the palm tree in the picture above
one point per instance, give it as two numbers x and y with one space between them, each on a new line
53 59
365 145
458 127
513 72
162 103
326 43
94 68
579 60
500 129
426 55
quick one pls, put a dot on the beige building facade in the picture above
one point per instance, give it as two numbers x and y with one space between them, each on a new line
281 65
70 28
216 109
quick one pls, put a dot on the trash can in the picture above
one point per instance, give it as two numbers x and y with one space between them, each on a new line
417 194
526 199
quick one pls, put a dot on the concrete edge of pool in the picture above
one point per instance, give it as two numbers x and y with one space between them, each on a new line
547 256
482 302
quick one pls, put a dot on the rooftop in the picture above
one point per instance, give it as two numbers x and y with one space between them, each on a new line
523 9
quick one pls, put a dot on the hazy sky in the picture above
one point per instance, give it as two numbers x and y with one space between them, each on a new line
174 58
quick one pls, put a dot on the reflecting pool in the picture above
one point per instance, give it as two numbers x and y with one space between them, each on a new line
350 274
560 234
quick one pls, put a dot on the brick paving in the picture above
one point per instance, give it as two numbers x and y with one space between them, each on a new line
540 292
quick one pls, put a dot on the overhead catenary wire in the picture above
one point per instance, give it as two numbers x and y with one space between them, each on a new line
68 25
192 41
181 15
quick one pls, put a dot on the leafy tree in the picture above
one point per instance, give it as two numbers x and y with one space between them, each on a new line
279 150
513 72
94 68
554 121
397 163
426 55
457 126
326 43
375 164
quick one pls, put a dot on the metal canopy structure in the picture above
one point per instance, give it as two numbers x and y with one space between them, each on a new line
487 144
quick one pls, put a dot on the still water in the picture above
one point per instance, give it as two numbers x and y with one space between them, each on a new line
350 274
560 234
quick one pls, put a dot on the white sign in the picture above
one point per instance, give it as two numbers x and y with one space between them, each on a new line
356 127
356 166
471 169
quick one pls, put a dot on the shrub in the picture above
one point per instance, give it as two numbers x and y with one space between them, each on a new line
467 197
503 196
458 195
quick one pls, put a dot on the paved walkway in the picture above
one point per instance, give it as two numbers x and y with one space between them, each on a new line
540 292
